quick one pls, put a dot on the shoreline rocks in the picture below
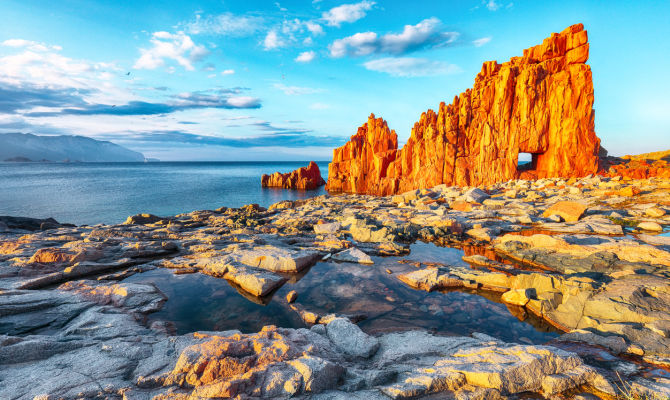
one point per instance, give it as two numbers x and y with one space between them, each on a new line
305 178
600 279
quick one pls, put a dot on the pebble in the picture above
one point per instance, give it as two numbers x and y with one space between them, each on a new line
291 296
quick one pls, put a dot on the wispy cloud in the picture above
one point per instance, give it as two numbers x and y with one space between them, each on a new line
178 47
319 106
425 34
492 5
347 13
481 41
281 138
26 97
225 24
410 67
180 102
228 72
29 44
305 57
296 90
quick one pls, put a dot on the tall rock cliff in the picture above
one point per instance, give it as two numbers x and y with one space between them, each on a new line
540 103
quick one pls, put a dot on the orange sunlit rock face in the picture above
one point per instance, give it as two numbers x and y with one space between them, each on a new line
540 103
302 178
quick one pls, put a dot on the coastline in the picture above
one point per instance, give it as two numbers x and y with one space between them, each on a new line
605 285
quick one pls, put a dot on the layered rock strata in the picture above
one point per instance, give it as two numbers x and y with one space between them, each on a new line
306 178
540 103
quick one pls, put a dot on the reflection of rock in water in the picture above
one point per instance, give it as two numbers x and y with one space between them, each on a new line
208 303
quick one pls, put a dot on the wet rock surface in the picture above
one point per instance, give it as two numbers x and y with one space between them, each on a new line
78 312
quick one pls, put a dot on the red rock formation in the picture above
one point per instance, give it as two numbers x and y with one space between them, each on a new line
541 103
635 168
302 178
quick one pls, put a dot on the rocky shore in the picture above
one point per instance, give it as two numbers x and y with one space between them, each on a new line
590 256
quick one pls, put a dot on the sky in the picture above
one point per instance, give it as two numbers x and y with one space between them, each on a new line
290 80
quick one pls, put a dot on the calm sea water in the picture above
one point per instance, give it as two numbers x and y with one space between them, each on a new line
92 193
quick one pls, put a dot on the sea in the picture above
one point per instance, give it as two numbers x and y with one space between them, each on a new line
94 193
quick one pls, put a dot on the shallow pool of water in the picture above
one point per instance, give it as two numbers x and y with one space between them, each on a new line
200 302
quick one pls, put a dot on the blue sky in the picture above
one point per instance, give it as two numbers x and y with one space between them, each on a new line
290 80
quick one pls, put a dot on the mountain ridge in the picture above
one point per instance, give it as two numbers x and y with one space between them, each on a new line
25 147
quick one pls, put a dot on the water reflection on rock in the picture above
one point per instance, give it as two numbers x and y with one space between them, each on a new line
199 302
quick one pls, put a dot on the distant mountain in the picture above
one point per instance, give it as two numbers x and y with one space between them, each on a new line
21 147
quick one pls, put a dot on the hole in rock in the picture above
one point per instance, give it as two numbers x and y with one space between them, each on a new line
201 302
527 162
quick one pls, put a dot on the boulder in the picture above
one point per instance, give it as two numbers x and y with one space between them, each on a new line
570 211
650 226
350 339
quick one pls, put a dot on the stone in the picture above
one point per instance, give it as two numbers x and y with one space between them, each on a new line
650 226
30 224
352 255
654 212
291 296
255 281
143 219
476 195
570 211
629 191
277 259
517 297
350 339
318 374
327 229
138 298
483 234
306 178
540 103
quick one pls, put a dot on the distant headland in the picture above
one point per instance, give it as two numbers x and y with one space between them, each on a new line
26 147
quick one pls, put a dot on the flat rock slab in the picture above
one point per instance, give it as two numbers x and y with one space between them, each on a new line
277 259
353 255
570 211
256 281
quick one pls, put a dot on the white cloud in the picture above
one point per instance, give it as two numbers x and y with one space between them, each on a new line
319 106
491 5
52 70
314 28
178 47
243 101
305 56
226 24
29 44
359 44
425 34
347 13
228 72
410 67
272 41
481 41
296 90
